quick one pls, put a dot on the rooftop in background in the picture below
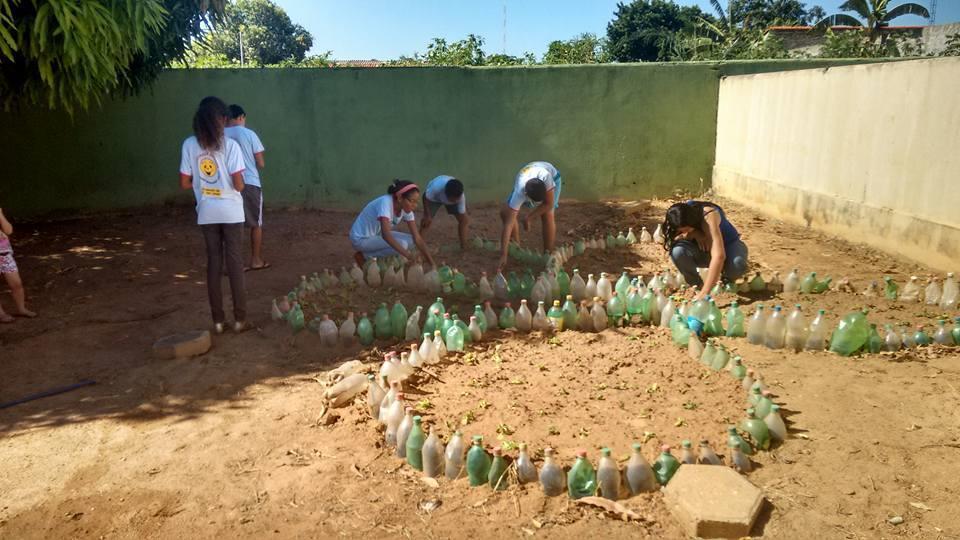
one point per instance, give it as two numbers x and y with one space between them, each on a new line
842 27
357 63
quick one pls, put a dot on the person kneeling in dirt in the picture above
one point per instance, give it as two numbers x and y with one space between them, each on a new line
372 233
537 186
446 191
698 235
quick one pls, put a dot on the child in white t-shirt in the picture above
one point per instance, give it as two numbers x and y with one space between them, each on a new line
8 267
212 166
372 233
446 191
536 186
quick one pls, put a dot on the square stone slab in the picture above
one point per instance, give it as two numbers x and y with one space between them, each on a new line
183 345
712 501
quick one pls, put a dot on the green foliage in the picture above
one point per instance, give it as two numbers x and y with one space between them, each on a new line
465 52
857 44
762 14
953 46
583 49
69 53
269 36
734 44
877 14
641 30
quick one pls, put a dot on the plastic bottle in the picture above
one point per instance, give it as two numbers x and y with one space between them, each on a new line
604 287
507 318
581 480
411 330
665 466
398 320
720 358
906 337
328 332
792 283
615 310
611 242
555 317
540 321
599 315
577 286
373 273
734 439
931 294
439 345
608 476
526 284
394 417
709 351
679 331
747 382
738 460
911 291
382 324
645 236
584 318
551 475
950 294
707 455
757 284
295 318
775 333
956 331
891 340
658 234
497 477
356 275
569 314
808 283
713 324
737 369
453 457
686 454
432 453
757 429
590 290
392 390
666 316
920 337
851 334
476 334
524 317
775 425
375 395
403 432
365 330
735 321
817 335
796 336
891 289
631 237
639 474
500 287
623 283
538 293
447 324
756 331
874 341
489 320
622 239
526 470
454 339
478 463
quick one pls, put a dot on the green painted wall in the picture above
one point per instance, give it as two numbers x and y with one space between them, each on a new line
336 137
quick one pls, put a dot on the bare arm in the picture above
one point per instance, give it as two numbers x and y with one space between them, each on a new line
258 157
186 181
5 225
237 178
547 206
418 240
718 255
509 218
386 232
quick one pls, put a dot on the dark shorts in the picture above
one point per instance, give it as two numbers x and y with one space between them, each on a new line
252 206
433 207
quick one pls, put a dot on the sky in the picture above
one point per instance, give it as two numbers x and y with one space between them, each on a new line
387 29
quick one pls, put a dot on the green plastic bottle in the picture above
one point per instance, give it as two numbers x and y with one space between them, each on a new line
446 324
508 319
555 315
481 318
611 241
446 275
295 318
679 330
764 404
738 370
381 323
623 285
874 341
734 439
437 306
757 284
579 246
513 286
398 320
851 334
634 301
713 326
365 330
891 288
665 466
621 239
454 338
498 477
478 463
581 480
432 323
956 331
822 286
615 310
735 321
415 445
757 429
526 284
646 306
570 314
467 336
808 283
720 358
921 338
563 281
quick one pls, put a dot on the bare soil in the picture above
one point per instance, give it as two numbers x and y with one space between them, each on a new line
232 444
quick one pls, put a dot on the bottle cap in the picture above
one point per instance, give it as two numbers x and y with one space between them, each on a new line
665 448
685 443
477 439
605 452
636 446
497 452
416 419
581 453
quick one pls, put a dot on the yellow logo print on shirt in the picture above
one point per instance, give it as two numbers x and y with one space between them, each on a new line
208 167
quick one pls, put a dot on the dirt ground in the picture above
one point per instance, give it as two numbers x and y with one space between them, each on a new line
229 444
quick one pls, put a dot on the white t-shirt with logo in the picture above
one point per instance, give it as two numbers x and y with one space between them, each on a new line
538 169
436 192
249 144
217 200
367 224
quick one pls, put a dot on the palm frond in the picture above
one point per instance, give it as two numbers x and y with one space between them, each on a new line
721 14
860 7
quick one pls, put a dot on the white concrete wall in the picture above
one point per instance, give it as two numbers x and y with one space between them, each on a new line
868 152
935 37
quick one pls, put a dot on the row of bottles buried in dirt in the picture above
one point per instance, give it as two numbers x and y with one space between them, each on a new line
945 296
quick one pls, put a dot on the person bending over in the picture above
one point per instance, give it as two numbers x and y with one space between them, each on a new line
373 234
446 191
536 187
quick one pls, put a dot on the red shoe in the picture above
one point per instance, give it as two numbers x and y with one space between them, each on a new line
357 256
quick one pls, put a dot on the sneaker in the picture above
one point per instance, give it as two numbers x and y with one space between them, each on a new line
241 326
218 328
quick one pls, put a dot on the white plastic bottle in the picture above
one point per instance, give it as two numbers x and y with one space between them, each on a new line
756 330
577 286
590 290
524 318
792 283
951 293
796 330
817 336
348 330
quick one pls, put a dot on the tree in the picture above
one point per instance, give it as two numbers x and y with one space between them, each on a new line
952 46
762 14
856 44
465 52
67 54
640 30
815 15
877 14
268 34
583 49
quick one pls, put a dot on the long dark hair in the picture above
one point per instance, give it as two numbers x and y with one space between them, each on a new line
682 214
398 186
208 122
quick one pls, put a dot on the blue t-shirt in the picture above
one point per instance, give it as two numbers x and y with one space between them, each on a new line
249 145
729 233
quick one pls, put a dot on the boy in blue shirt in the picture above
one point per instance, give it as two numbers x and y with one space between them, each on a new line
252 150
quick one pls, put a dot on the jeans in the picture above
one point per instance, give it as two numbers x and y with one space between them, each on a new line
688 256
376 246
224 244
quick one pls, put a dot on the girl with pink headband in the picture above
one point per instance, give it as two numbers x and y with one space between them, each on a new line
373 234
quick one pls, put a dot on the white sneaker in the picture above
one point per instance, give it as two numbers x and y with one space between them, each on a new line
218 328
241 326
